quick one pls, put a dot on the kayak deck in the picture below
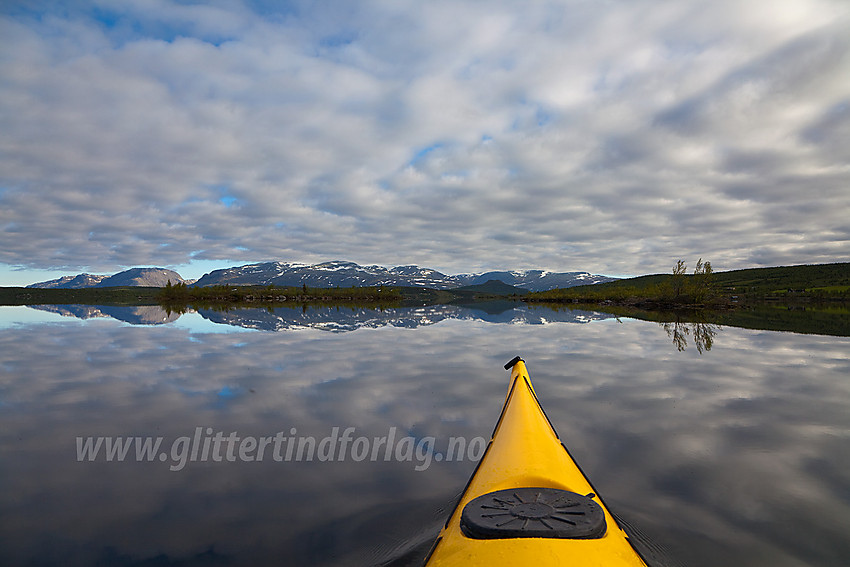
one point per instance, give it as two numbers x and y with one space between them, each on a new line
528 501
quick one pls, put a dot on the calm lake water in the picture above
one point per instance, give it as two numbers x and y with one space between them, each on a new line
731 450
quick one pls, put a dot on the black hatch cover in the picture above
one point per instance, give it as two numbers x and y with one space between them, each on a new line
533 512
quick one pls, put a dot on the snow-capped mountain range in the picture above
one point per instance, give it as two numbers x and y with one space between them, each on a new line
338 273
345 274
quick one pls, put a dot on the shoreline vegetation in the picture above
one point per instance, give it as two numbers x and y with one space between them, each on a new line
677 290
709 290
127 295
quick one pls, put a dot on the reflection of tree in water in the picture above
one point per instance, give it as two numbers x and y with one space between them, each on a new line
702 333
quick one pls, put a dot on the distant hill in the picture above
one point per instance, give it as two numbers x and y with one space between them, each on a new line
71 282
787 278
493 287
146 277
537 280
137 277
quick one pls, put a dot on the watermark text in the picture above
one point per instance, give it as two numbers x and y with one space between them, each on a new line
342 444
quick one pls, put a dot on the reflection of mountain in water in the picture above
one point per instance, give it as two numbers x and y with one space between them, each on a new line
135 315
338 319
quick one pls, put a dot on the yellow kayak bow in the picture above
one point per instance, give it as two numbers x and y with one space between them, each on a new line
528 502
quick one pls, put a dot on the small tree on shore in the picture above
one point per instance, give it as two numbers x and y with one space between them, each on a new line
703 282
678 281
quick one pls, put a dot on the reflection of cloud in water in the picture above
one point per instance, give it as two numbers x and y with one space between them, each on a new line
706 453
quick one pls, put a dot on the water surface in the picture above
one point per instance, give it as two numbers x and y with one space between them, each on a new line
733 454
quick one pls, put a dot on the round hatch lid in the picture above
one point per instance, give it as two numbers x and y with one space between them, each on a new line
533 512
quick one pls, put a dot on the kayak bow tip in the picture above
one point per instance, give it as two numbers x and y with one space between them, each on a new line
513 362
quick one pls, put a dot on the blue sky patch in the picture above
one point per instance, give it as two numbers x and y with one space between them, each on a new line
229 392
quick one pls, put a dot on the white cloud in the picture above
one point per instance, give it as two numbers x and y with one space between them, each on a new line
610 137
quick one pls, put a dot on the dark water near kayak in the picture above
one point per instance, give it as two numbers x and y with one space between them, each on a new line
719 445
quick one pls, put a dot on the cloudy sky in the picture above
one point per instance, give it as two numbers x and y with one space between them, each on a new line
613 137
